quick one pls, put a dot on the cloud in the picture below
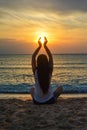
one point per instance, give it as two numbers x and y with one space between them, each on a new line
28 13
22 18
62 6
70 48
13 46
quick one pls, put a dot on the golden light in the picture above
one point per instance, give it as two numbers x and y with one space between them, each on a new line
41 34
42 40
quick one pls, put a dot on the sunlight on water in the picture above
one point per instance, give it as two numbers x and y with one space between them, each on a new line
70 71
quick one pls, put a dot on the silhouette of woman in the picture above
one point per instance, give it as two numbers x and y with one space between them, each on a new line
42 68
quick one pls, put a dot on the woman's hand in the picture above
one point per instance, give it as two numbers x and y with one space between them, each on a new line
39 42
45 41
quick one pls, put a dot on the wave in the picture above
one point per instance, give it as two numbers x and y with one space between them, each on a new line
17 88
55 67
15 67
25 88
70 67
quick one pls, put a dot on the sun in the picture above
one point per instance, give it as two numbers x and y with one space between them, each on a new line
42 39
41 34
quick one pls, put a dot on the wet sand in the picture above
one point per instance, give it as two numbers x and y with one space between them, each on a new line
19 113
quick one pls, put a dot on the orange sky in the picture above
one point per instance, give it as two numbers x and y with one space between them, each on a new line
64 22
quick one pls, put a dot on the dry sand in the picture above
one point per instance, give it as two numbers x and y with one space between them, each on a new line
67 114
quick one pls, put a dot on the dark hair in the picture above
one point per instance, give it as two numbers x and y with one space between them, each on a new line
43 72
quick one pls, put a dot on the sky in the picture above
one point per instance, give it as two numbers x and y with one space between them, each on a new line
63 22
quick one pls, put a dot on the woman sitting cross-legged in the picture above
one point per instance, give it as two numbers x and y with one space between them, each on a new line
42 68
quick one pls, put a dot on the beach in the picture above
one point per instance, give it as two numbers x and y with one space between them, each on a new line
19 113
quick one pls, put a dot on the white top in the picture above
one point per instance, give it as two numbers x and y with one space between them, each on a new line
38 93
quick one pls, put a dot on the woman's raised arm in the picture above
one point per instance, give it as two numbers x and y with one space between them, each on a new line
34 56
49 54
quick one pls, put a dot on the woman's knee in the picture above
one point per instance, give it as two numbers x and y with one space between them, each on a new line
58 91
32 91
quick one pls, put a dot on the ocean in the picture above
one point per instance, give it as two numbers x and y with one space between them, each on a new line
70 72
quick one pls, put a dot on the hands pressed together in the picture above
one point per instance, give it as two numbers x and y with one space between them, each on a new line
40 43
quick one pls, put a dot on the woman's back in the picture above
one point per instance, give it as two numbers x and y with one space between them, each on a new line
39 95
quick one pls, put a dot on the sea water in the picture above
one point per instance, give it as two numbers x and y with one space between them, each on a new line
70 72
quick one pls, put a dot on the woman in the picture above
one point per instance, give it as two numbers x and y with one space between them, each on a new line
42 69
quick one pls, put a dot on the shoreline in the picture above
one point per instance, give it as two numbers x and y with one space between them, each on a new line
24 96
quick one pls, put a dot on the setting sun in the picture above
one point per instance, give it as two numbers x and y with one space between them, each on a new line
42 39
41 34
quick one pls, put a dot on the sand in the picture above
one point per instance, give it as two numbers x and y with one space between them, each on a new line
66 114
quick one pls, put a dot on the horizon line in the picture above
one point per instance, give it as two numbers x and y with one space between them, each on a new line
52 54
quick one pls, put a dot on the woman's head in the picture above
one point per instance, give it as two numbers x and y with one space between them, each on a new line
42 61
43 72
